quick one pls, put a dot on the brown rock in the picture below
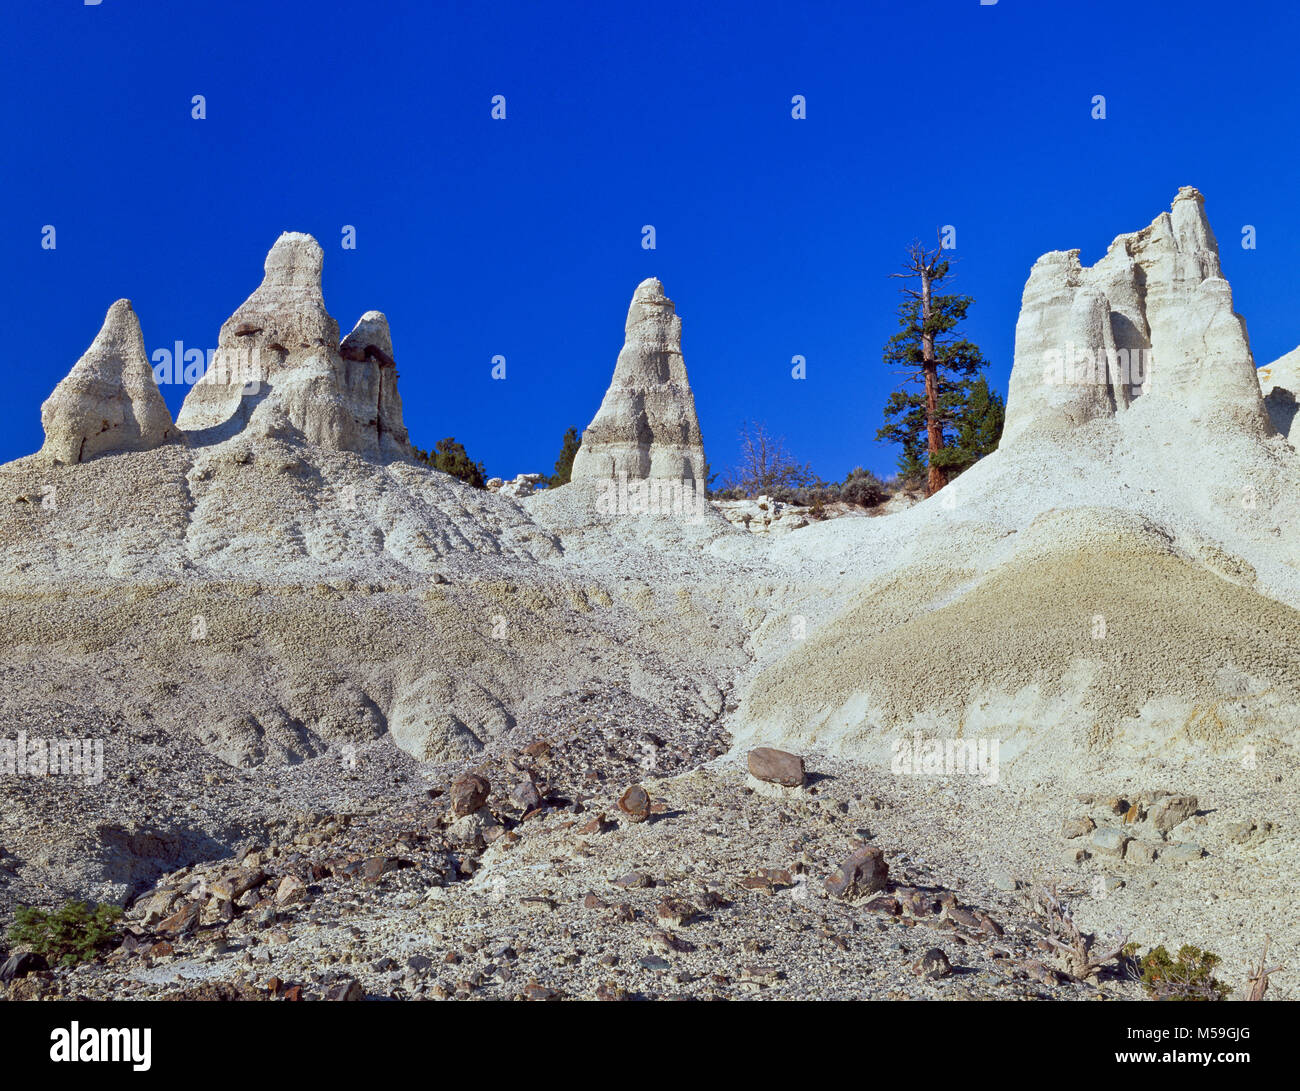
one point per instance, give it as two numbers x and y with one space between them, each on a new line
674 912
635 803
964 917
1077 827
291 891
883 904
599 824
777 767
346 990
933 964
534 990
468 794
1170 811
182 921
865 872
526 796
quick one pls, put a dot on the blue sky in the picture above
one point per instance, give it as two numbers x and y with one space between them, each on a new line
522 237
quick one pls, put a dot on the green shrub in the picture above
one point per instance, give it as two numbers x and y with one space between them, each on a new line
76 933
564 464
450 457
1190 977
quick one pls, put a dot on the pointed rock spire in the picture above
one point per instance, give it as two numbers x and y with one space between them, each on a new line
370 380
646 425
1152 318
109 401
279 359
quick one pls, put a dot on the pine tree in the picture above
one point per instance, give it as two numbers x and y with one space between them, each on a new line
980 427
451 457
564 464
942 364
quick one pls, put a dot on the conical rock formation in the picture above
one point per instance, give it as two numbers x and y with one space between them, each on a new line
109 401
646 426
279 360
370 380
1153 318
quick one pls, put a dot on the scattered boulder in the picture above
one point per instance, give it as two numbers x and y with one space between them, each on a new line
19 966
109 401
468 794
777 767
473 830
1109 840
350 990
291 891
1171 811
933 964
1182 853
526 796
864 872
1077 827
635 804
1140 852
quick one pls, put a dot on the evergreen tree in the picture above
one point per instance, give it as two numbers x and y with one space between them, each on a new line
939 362
451 458
980 427
564 464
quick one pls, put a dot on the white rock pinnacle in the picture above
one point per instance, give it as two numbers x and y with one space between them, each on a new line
1153 318
646 425
109 401
279 360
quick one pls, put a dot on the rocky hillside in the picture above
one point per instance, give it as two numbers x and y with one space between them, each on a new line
367 731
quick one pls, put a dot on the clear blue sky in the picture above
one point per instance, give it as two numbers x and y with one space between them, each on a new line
522 237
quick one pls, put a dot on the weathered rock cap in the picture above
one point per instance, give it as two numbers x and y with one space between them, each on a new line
370 339
109 401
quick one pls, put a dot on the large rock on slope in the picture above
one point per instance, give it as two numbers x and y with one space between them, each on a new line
646 426
279 366
1279 382
1153 318
109 401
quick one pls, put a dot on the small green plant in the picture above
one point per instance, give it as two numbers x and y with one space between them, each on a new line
564 464
76 933
449 456
1189 977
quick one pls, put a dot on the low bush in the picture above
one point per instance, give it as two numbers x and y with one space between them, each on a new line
76 933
